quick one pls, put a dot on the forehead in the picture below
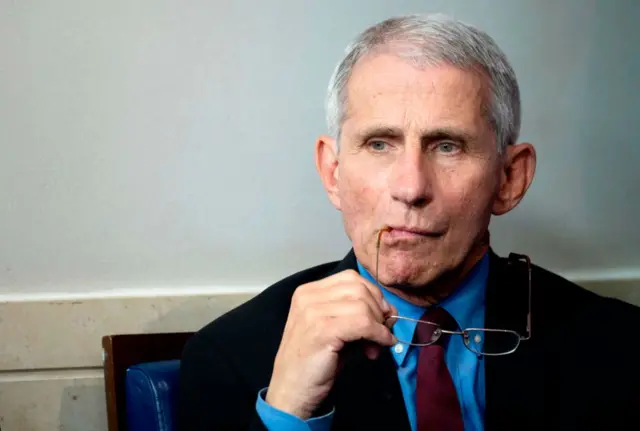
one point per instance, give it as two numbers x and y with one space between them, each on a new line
388 89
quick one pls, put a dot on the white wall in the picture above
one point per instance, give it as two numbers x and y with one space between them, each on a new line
169 143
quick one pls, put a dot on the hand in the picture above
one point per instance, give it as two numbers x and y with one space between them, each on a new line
324 316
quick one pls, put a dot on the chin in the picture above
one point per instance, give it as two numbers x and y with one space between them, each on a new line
415 268
408 274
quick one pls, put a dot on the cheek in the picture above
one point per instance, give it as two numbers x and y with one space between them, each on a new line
359 202
355 196
469 200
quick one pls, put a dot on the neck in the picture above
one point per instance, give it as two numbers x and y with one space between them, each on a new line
446 283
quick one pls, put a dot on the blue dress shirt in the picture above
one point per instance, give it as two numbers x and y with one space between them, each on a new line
467 305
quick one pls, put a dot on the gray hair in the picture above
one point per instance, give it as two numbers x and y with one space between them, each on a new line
430 40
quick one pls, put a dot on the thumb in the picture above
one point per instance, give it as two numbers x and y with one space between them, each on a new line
390 318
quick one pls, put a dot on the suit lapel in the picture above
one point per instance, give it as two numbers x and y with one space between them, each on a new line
512 381
367 393
349 262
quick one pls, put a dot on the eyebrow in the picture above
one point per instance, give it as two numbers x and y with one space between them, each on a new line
379 132
428 136
442 133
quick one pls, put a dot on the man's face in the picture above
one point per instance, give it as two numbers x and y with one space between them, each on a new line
416 154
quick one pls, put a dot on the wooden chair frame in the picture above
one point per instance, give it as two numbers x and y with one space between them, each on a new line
121 352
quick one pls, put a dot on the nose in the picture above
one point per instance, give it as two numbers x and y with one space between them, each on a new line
410 182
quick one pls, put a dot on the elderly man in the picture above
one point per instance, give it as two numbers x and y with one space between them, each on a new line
421 326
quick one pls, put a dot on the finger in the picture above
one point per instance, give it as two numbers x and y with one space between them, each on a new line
348 288
350 292
351 276
350 308
351 328
390 318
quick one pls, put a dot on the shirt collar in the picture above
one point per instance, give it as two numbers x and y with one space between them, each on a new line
463 304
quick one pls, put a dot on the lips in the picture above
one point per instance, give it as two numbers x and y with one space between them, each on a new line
411 232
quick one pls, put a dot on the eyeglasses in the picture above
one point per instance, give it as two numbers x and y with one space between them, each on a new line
480 341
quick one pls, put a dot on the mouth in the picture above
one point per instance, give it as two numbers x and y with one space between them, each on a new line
410 232
402 236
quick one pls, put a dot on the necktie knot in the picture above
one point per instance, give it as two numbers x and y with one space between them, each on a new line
440 319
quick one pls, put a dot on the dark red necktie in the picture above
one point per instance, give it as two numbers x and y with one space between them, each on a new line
437 405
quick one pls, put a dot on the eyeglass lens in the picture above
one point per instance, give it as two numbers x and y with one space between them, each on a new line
479 341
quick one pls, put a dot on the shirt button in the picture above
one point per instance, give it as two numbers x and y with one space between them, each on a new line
477 338
398 348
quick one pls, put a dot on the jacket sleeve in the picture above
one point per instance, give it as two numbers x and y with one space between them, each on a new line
212 395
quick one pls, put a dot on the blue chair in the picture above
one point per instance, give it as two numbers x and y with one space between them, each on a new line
141 373
151 390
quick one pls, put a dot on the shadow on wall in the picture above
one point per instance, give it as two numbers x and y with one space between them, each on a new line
610 151
83 406
583 198
548 238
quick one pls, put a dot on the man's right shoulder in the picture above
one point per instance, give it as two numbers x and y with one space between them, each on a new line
264 314
226 363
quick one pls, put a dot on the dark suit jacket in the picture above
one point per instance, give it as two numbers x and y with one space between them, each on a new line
579 371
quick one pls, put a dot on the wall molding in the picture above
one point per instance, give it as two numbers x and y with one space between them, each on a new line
630 277
132 292
51 356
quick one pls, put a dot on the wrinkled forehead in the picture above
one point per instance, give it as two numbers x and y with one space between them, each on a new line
386 88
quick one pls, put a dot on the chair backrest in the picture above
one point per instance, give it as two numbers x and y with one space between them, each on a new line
124 351
151 395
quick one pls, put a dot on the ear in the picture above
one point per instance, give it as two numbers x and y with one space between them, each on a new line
327 166
516 177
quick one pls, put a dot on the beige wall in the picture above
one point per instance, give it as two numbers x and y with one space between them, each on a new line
149 143
50 356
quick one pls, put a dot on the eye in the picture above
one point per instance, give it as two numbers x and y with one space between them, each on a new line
378 145
447 147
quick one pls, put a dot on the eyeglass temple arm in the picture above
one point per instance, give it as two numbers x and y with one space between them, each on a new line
527 260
